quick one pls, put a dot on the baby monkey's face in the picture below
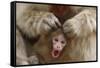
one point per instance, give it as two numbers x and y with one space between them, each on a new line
58 44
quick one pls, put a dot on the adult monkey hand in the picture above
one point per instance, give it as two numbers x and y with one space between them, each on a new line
47 22
37 23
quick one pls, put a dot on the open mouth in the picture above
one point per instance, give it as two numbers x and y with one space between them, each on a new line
55 53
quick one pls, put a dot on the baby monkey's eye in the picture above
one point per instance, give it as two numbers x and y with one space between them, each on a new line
56 39
62 42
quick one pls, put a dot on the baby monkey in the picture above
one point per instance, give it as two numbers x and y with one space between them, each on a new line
58 43
50 47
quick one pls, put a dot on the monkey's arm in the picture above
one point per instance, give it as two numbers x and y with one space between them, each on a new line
21 56
33 22
82 24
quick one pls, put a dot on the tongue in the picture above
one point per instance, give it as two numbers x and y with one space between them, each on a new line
55 53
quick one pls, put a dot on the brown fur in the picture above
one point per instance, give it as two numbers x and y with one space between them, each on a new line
44 46
79 28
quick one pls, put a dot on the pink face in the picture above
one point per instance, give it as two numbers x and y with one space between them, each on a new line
59 43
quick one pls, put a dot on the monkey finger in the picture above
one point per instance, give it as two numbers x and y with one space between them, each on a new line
33 60
52 20
68 27
67 24
56 21
67 30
